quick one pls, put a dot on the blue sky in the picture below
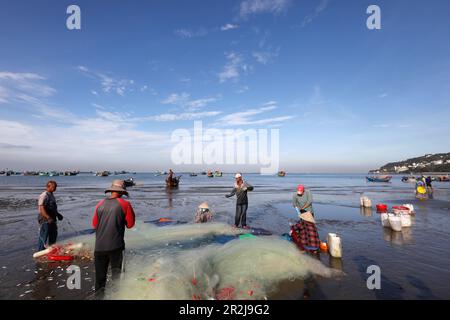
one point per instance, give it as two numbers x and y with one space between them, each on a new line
108 96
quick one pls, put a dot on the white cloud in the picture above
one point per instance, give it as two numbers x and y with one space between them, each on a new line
383 95
229 26
318 10
233 68
252 7
243 89
265 57
189 33
184 100
183 116
108 83
248 117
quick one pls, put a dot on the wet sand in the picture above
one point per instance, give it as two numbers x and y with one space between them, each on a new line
414 263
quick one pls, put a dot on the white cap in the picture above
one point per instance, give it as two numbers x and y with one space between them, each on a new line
238 175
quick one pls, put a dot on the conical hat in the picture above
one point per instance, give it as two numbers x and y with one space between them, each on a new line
204 205
307 216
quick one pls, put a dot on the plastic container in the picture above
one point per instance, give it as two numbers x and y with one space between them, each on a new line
385 220
324 247
382 208
367 203
410 207
400 210
334 245
395 222
406 220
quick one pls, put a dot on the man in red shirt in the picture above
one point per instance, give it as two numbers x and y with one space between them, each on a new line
111 217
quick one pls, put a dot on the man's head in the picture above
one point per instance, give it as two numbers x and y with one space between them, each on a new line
238 176
51 186
300 190
117 189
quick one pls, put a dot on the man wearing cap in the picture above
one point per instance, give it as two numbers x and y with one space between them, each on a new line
240 190
302 200
111 217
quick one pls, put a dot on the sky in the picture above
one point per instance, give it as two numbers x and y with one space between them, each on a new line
109 96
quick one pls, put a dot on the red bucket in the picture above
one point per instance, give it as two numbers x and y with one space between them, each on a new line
382 208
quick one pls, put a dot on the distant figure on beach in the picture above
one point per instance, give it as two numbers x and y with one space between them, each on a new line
169 178
48 213
240 190
111 216
203 213
302 200
429 181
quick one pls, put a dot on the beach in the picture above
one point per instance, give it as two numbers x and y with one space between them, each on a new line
414 263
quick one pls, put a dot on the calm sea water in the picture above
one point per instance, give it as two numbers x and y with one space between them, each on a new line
415 263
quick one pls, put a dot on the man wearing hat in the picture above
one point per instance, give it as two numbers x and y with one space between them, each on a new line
302 200
111 217
240 190
203 213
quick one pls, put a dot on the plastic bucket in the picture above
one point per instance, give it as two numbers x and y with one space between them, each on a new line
334 245
385 220
367 203
400 210
381 208
410 207
406 220
395 222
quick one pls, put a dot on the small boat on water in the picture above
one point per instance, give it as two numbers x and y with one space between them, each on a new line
193 174
174 183
443 178
71 173
102 174
409 179
218 174
203 173
379 178
53 174
210 174
160 173
129 182
281 173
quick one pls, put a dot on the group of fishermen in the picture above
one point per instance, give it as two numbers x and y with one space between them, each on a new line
113 214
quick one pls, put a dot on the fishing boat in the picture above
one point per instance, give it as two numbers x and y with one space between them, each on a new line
193 174
409 179
379 178
102 174
53 174
43 174
281 173
129 182
71 173
210 174
218 174
160 173
203 173
174 183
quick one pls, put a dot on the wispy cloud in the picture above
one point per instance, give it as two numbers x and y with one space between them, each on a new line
184 100
229 26
190 33
253 7
183 116
248 117
383 95
318 10
265 57
109 84
233 68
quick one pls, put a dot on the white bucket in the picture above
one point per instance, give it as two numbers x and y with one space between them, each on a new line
367 203
410 207
385 220
406 220
334 245
395 222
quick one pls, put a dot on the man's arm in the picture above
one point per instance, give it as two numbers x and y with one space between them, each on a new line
249 186
308 201
233 192
44 213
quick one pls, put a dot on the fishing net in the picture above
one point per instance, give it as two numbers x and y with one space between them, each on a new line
184 262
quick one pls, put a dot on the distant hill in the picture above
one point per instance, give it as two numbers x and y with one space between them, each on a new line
439 162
